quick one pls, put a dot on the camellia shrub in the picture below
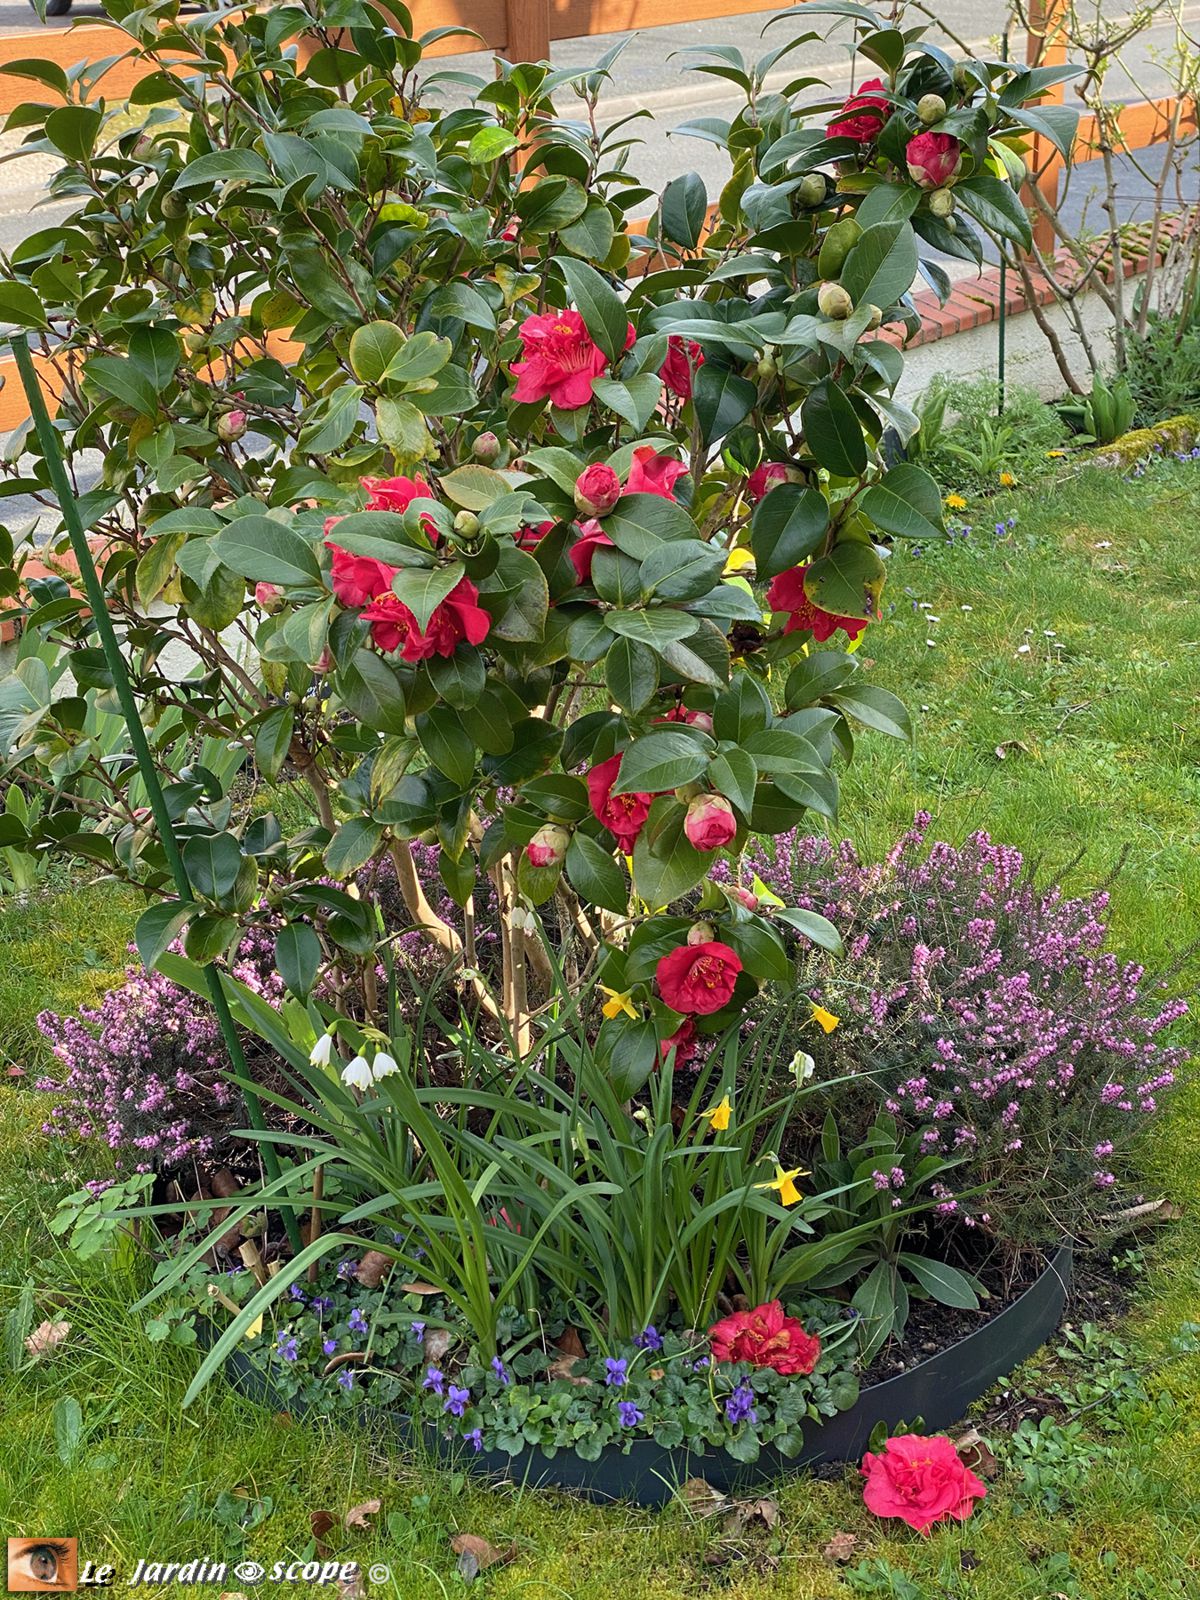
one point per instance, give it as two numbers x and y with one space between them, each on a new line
446 451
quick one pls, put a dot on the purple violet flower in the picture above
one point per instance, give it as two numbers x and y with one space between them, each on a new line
629 1414
457 1400
434 1379
739 1407
615 1371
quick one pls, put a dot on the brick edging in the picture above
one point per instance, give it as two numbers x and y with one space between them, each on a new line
974 302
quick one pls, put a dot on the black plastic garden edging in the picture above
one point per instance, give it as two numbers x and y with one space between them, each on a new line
938 1391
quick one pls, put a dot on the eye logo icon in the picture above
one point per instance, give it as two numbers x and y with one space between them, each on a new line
43 1566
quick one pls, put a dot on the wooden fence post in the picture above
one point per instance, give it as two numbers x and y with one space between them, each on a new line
1046 46
528 30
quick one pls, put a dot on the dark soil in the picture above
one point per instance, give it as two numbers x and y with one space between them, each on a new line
1097 1295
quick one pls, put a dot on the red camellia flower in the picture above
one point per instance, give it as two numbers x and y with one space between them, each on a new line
786 593
764 478
357 580
530 534
863 115
592 537
561 360
678 371
710 822
695 719
698 979
765 1337
622 814
458 617
921 1481
597 490
650 473
933 159
395 494
683 1041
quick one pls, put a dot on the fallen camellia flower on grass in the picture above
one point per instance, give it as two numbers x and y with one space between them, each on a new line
46 1338
921 1481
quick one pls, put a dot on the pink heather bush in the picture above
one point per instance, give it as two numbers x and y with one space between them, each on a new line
985 1012
143 1070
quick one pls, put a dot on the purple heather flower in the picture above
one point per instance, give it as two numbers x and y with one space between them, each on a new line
329 1346
629 1414
500 1370
739 1407
649 1339
614 1371
474 1437
457 1400
358 1323
286 1346
434 1379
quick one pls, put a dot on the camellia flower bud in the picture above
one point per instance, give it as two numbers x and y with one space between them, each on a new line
834 301
548 847
874 316
597 490
744 897
701 933
486 448
767 366
466 524
931 108
812 189
231 426
933 159
941 202
710 822
269 596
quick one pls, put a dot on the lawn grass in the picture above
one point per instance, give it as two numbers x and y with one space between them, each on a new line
1098 724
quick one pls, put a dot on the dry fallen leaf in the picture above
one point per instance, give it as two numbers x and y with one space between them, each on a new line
346 1358
570 1343
763 1510
564 1367
841 1548
976 1455
437 1342
475 1555
321 1522
354 1588
700 1497
371 1268
46 1338
360 1516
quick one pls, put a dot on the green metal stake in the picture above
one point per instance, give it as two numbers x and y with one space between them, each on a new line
56 466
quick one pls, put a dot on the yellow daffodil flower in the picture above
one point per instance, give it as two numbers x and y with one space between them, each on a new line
955 502
719 1115
785 1184
617 1003
1007 480
824 1019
